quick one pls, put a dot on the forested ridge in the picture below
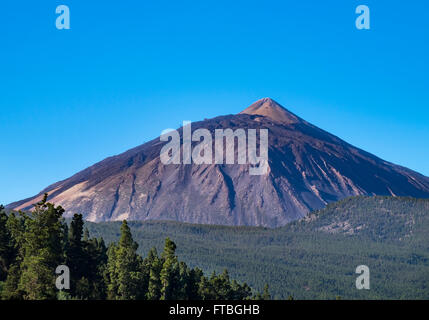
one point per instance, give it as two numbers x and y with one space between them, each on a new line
313 258
33 245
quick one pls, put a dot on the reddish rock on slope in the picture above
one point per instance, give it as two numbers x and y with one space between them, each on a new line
307 169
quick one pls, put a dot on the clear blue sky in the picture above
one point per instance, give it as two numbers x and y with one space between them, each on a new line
126 70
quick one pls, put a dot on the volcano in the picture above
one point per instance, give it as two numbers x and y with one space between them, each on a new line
307 169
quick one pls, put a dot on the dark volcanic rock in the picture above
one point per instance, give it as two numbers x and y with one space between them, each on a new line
308 168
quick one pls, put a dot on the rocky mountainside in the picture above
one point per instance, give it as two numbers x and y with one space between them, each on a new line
307 168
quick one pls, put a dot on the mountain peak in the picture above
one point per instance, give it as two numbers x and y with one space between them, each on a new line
268 107
308 169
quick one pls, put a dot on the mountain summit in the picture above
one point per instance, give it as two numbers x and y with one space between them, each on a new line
307 169
267 107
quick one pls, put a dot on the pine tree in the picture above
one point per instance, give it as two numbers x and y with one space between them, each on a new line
95 253
16 227
206 290
125 268
33 245
170 272
154 281
110 275
266 294
7 252
42 251
222 286
193 281
10 288
75 258
146 268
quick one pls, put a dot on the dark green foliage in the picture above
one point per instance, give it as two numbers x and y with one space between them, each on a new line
86 260
170 273
33 245
154 282
265 294
125 275
164 277
10 287
43 251
96 253
7 246
75 257
314 258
